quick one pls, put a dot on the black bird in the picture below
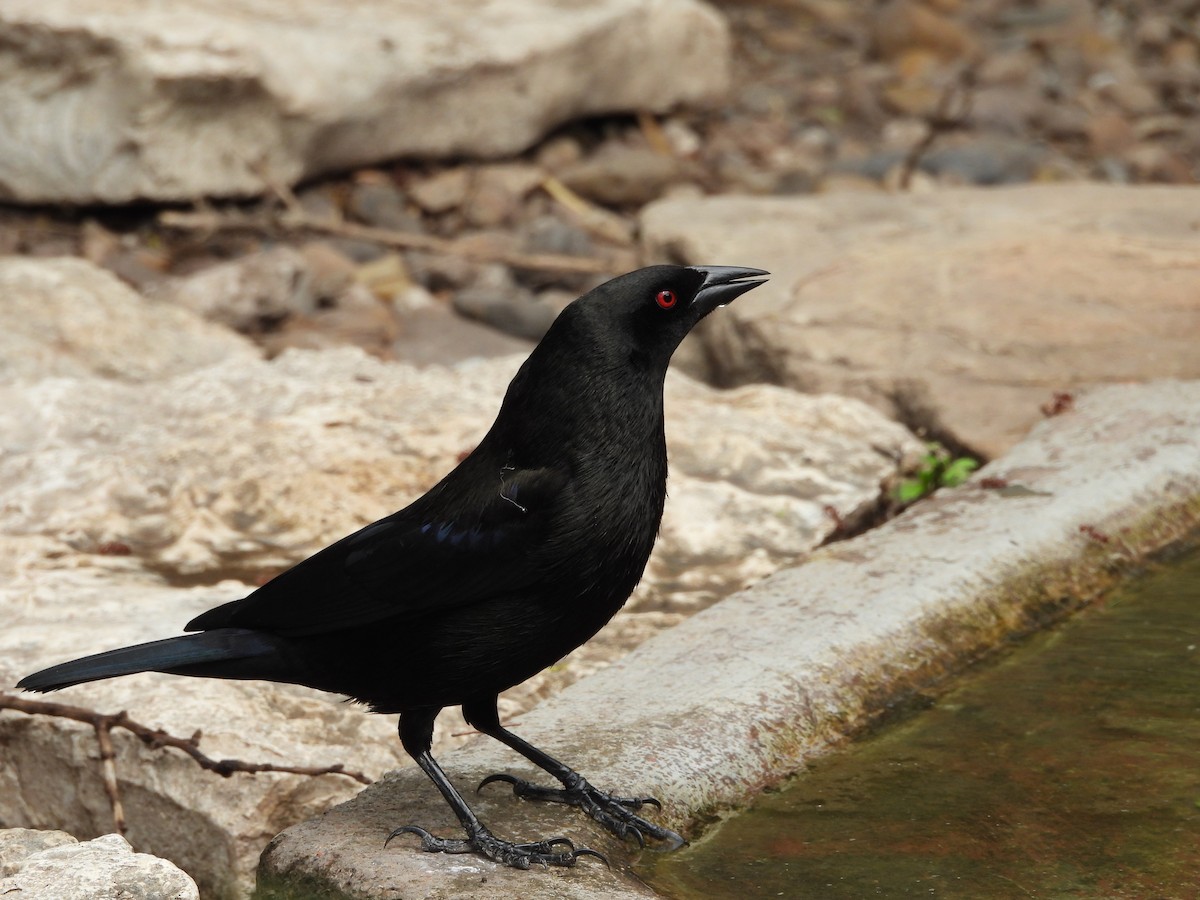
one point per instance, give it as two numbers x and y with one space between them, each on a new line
511 561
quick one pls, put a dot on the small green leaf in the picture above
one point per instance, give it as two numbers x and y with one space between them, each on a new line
937 469
959 470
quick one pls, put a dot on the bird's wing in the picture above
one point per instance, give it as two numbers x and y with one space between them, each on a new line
436 554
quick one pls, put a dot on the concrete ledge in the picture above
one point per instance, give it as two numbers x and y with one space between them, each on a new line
741 695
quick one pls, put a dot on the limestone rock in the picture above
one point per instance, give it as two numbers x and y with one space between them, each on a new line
284 297
377 201
436 336
68 317
250 294
754 475
203 477
62 606
99 869
620 175
443 191
498 191
497 300
957 311
18 843
107 101
903 27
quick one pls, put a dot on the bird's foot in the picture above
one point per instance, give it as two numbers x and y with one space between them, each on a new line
519 856
617 814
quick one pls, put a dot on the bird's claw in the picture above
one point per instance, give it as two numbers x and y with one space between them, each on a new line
614 813
527 790
500 776
587 851
519 856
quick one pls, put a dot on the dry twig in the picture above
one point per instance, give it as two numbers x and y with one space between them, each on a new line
297 219
283 192
944 119
103 723
653 132
603 224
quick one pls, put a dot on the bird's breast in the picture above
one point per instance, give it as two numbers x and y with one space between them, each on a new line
618 506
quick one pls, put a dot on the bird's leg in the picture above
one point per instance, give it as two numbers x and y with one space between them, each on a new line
617 814
416 730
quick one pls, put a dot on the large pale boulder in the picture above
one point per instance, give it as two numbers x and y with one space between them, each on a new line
69 317
100 869
112 100
212 827
958 311
249 465
17 844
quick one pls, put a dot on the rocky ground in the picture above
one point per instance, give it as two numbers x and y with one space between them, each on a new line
107 518
828 96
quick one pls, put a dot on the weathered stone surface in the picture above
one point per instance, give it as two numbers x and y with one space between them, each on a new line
203 476
68 317
57 607
745 693
442 192
435 335
376 200
249 294
18 843
959 310
755 473
109 101
498 191
496 299
100 869
286 297
620 175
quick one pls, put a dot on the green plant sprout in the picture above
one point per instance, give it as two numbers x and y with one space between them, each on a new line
938 469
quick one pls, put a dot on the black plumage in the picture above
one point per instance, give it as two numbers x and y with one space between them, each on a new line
515 558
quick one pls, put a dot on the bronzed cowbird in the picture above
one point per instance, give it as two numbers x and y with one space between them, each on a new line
519 555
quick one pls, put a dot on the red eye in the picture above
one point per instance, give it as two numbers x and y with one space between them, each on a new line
666 299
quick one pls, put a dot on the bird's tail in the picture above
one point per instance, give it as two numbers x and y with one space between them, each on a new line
220 653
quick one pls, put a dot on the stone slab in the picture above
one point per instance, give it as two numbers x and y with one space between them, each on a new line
112 101
102 869
67 317
958 312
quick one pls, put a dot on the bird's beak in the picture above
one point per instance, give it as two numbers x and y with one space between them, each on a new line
723 284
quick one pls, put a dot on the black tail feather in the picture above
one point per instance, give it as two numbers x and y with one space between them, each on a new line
200 654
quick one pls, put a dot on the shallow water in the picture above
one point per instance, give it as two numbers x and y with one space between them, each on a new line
1069 768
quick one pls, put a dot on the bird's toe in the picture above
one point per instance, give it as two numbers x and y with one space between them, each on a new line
519 856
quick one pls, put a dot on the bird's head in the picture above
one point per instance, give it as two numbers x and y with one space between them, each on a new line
651 310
